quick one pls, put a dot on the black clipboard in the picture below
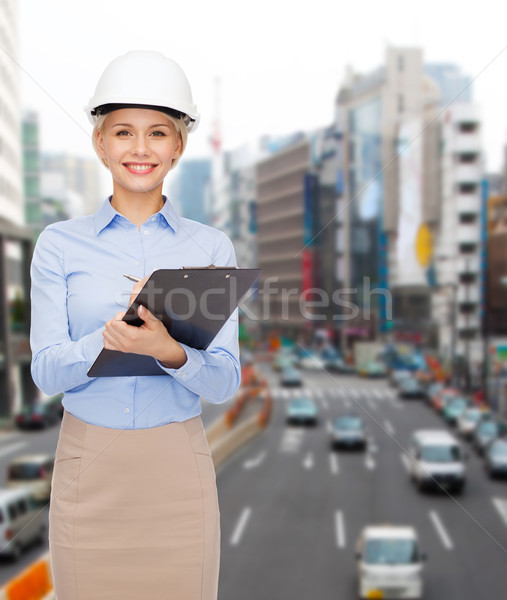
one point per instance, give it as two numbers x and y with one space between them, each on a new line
193 303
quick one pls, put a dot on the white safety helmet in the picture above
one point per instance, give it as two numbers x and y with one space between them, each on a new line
144 79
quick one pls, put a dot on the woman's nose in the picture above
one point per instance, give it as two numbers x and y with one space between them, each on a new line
141 146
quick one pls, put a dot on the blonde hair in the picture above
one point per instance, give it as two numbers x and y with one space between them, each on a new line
179 125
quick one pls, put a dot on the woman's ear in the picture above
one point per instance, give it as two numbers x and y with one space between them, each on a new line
179 148
99 138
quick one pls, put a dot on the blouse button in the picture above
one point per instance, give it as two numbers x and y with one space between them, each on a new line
127 410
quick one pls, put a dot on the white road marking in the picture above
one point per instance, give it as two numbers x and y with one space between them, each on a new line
372 446
329 426
339 529
395 402
371 404
369 462
356 394
405 459
388 426
308 461
5 437
240 526
379 394
285 393
276 393
255 462
501 506
12 448
347 402
324 403
444 536
333 463
291 440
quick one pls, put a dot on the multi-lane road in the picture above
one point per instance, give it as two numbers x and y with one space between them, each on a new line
292 509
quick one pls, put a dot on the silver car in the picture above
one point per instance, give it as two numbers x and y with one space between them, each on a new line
348 432
22 522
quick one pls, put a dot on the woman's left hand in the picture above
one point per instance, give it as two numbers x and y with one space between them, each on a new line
151 339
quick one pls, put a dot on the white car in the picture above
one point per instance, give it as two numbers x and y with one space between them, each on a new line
389 562
468 421
437 461
312 363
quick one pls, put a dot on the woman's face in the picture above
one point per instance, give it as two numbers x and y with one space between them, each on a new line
139 146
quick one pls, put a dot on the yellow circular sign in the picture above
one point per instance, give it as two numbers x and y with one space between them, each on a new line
424 245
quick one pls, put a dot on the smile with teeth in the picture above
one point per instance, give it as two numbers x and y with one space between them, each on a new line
140 167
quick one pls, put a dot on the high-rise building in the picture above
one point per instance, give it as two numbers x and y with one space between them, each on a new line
16 385
189 191
373 110
300 247
11 196
459 244
74 181
412 169
31 171
453 85
280 182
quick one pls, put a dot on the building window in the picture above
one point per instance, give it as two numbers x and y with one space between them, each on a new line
468 334
351 151
468 248
468 278
467 157
467 127
401 103
467 188
467 218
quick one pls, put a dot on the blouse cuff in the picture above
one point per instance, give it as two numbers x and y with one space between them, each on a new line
93 344
190 369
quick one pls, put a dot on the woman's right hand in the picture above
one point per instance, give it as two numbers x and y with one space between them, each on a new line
138 286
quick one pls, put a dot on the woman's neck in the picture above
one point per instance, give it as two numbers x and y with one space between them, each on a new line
137 207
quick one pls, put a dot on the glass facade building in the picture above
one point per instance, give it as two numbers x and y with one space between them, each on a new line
368 250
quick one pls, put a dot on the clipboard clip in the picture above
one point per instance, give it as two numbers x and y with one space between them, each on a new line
210 267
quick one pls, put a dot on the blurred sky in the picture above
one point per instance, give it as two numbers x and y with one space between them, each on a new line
280 62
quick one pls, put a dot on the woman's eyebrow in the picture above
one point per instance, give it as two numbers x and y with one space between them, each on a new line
130 125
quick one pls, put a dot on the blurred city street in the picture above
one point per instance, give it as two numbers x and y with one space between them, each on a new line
292 509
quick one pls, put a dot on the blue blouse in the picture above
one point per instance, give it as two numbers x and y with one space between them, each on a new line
78 284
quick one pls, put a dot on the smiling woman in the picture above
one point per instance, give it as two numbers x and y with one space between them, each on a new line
156 532
139 147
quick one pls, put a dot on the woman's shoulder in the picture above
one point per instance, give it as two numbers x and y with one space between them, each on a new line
211 238
198 228
70 225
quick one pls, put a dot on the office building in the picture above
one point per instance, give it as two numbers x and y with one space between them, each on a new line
189 189
16 385
412 169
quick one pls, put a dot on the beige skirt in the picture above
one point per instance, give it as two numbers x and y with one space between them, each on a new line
134 513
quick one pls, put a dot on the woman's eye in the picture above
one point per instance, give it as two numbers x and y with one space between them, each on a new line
124 132
158 133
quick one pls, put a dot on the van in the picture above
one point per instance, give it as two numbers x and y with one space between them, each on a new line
437 461
389 562
22 522
33 471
